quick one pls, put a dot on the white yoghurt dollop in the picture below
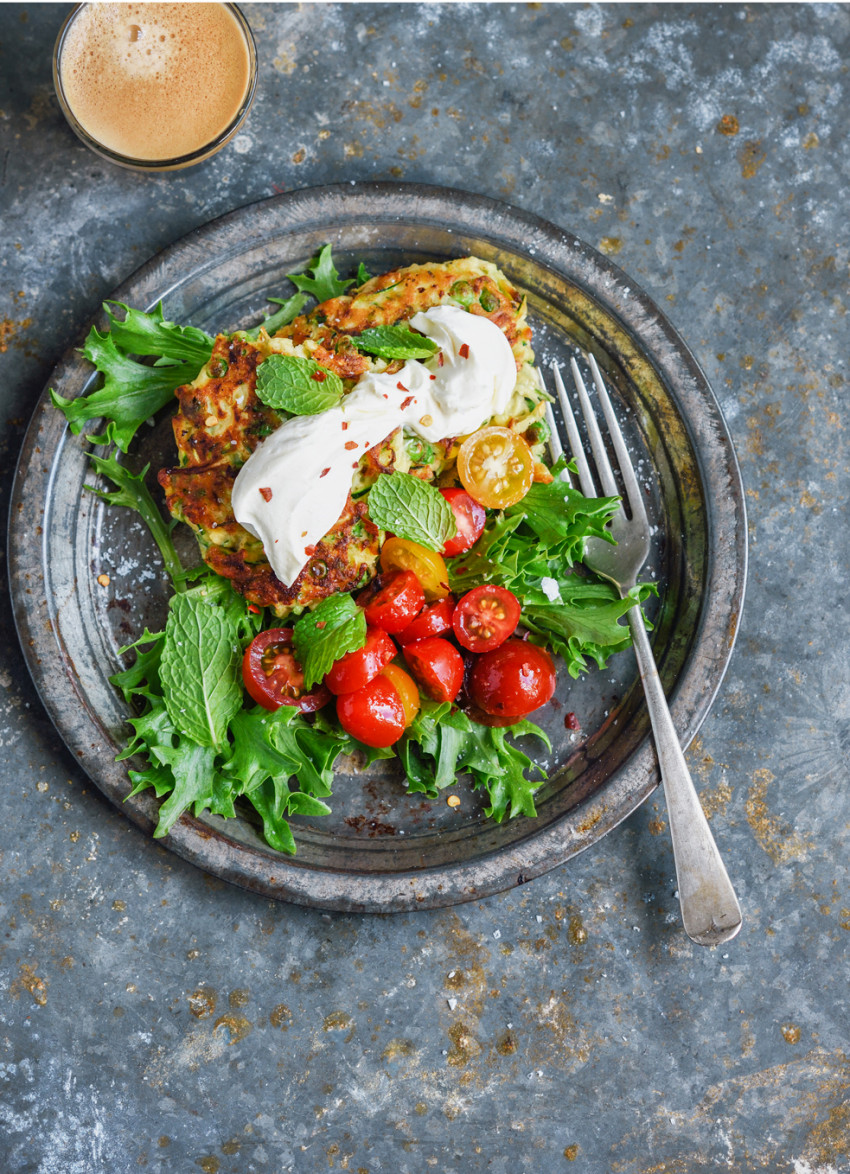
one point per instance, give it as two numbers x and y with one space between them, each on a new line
294 486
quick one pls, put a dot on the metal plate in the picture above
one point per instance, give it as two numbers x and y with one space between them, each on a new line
382 850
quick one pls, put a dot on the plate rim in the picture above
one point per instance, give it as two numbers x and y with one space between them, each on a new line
283 878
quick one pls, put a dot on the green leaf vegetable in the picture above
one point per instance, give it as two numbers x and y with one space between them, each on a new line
410 509
299 386
289 308
321 279
334 627
133 391
395 342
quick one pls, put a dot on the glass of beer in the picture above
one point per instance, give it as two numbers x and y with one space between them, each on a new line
155 87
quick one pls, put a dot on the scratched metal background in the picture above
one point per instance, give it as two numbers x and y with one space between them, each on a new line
153 1018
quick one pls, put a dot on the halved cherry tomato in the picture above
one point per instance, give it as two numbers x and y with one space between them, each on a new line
495 466
513 679
489 719
391 601
469 519
433 620
373 714
356 669
437 666
407 690
485 617
398 554
273 677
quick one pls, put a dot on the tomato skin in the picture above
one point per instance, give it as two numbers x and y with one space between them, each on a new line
273 675
512 680
469 519
428 566
374 714
392 601
433 620
437 666
489 719
356 669
495 466
407 690
485 617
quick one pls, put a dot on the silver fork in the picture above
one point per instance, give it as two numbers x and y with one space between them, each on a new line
710 910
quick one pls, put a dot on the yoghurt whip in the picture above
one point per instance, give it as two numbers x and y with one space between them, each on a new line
294 486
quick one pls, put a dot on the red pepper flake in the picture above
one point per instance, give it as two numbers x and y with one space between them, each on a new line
463 350
406 402
401 386
319 376
344 425
440 359
266 494
324 473
253 609
432 376
356 465
311 550
350 444
571 722
321 624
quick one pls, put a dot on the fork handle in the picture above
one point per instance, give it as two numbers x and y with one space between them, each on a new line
710 910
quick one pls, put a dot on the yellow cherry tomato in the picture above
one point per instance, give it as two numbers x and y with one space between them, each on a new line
496 467
398 554
406 688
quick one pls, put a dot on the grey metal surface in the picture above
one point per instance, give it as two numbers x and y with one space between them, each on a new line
155 1018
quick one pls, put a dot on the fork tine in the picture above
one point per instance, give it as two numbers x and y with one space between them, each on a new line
633 494
585 477
603 465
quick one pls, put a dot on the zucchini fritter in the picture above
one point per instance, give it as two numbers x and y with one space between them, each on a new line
220 421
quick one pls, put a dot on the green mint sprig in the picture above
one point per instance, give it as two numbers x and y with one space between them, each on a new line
300 386
395 342
332 629
411 509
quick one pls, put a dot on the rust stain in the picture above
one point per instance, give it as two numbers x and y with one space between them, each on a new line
751 156
610 245
239 998
656 827
238 1026
811 141
9 331
398 1048
790 1033
780 841
465 1046
202 1002
715 800
506 1044
379 114
28 980
571 1153
728 125
281 1017
337 1021
209 1163
576 932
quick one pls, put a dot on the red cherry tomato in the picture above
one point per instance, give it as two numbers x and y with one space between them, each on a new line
485 617
512 680
273 677
356 669
433 620
469 519
373 714
437 666
489 719
392 601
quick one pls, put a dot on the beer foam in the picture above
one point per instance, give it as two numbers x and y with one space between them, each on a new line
154 81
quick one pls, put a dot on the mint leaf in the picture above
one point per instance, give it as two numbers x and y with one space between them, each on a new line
132 391
394 342
299 386
325 282
200 667
325 634
410 509
133 493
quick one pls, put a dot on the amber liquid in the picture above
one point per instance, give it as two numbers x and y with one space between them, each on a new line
155 82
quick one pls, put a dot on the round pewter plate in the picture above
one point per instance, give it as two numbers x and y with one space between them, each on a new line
382 850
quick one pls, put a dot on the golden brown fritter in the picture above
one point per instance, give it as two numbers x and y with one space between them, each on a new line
220 421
